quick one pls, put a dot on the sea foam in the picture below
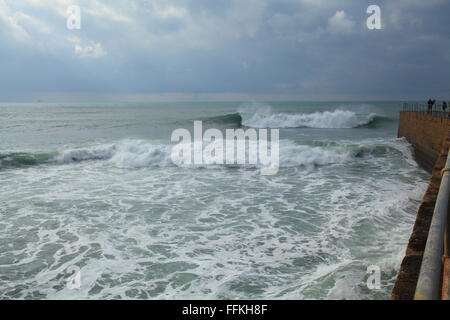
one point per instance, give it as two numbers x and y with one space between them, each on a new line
142 153
337 119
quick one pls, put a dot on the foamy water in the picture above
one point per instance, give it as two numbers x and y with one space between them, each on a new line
338 119
107 199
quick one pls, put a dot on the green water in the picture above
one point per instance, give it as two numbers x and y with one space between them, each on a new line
92 186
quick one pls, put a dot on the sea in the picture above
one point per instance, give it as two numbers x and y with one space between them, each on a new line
93 207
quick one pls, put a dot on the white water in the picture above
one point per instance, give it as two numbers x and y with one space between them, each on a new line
141 153
337 119
110 201
142 234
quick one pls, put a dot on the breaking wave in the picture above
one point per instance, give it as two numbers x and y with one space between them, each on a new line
140 154
258 115
22 159
338 119
232 119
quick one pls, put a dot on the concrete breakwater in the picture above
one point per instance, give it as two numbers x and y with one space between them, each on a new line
430 139
426 133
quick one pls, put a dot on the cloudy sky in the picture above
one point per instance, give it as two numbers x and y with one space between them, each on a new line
306 49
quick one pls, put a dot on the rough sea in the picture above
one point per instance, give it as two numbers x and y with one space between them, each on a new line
91 187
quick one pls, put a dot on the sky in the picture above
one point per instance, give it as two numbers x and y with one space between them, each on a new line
138 50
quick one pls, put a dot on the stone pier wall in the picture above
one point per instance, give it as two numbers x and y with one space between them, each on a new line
429 137
426 133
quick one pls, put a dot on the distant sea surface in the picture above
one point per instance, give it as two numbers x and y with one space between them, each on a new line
92 186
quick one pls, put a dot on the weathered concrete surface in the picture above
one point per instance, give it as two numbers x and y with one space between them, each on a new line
430 139
426 134
446 280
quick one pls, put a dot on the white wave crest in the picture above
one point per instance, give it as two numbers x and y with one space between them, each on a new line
302 155
126 154
140 154
325 120
76 155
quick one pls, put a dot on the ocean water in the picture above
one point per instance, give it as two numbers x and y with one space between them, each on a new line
92 187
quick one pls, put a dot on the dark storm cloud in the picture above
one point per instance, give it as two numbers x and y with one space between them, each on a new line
307 48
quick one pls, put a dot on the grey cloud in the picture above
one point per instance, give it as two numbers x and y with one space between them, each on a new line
295 47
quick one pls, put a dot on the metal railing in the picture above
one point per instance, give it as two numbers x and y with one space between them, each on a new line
431 282
436 110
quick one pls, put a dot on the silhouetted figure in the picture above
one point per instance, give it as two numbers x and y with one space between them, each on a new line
444 106
430 105
433 103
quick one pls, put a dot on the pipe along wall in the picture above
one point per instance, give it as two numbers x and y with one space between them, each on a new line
430 139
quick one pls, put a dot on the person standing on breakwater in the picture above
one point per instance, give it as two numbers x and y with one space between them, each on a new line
430 105
444 107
